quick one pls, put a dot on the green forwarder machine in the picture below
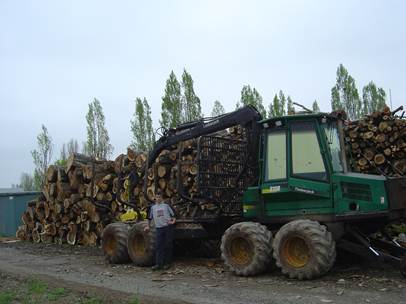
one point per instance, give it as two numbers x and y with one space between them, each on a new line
285 191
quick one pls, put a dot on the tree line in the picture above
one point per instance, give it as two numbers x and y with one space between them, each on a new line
97 145
179 105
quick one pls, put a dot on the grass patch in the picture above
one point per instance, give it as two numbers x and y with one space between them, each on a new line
92 301
56 293
134 300
36 291
6 297
36 286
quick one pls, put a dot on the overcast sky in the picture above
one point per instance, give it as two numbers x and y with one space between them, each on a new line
56 56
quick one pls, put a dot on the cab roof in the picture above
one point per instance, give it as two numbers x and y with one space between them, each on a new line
300 116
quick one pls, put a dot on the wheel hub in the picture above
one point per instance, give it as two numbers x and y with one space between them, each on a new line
296 252
241 251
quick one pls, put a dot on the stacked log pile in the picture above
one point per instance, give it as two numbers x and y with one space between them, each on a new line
75 205
377 143
178 181
174 174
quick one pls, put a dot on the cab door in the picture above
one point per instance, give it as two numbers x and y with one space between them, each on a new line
309 177
274 188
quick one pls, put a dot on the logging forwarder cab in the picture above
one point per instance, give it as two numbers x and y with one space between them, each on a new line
291 197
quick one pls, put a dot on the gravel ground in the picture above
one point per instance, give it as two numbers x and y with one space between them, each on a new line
200 280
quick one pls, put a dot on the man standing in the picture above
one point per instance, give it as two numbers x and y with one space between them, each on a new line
164 219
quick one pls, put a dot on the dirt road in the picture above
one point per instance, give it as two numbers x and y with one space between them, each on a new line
200 280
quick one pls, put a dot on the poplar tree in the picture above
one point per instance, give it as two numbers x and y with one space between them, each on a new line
344 95
171 114
141 126
42 157
63 155
374 99
98 140
277 106
218 109
282 103
191 109
250 96
67 149
291 108
27 182
273 107
72 146
315 107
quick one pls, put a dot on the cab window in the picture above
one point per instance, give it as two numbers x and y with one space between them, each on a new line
307 161
333 141
275 155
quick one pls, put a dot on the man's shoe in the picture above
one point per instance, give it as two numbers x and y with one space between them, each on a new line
156 267
167 266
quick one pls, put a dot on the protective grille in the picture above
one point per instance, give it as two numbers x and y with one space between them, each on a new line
223 172
356 191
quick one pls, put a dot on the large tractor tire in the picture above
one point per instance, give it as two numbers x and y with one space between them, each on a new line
141 244
246 248
114 243
304 249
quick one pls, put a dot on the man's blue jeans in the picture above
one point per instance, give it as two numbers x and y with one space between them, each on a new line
164 245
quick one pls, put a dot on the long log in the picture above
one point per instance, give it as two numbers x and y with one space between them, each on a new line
77 160
72 233
52 173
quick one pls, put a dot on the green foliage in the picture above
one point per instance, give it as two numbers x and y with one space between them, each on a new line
92 301
274 107
6 297
218 109
282 102
373 98
141 126
98 141
56 293
27 182
291 108
315 106
60 162
277 106
171 114
42 157
344 95
250 96
134 300
191 109
36 286
335 100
